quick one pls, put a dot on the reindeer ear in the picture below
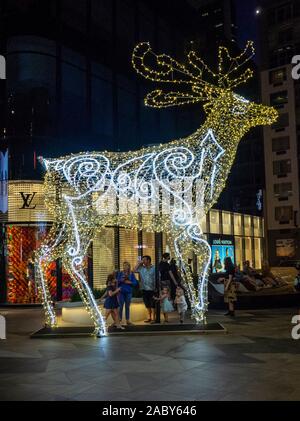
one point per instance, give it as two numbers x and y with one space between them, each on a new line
158 98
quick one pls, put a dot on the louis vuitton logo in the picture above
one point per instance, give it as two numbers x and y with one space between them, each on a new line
27 200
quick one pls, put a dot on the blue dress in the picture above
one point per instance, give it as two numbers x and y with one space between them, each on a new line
111 302
166 306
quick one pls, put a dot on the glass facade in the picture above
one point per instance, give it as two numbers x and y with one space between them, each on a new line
226 223
103 256
239 251
237 221
28 222
214 221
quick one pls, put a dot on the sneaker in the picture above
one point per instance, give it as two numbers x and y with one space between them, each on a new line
181 321
120 327
228 313
129 323
148 321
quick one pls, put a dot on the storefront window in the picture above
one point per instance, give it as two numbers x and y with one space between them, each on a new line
258 252
129 250
22 241
257 225
148 246
238 251
237 224
103 256
214 222
248 250
226 222
247 225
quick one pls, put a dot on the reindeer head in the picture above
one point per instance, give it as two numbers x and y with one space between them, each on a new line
201 84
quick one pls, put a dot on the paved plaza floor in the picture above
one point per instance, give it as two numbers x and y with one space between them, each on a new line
256 360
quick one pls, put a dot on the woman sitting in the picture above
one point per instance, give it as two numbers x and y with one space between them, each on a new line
269 279
249 282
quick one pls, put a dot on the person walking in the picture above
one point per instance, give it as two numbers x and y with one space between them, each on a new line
229 287
126 281
147 276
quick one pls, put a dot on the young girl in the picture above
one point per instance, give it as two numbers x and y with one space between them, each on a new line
111 303
181 303
166 305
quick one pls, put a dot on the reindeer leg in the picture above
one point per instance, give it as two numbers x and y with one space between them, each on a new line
47 252
73 263
74 268
191 239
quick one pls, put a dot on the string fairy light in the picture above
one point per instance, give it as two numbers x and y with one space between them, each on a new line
164 188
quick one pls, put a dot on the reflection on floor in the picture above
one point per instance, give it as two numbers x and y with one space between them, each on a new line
256 360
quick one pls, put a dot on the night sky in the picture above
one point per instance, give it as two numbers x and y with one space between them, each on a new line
247 22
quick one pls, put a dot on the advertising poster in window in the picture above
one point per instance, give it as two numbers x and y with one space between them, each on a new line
221 247
285 247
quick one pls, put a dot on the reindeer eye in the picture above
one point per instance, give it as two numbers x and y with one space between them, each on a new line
241 99
239 109
241 106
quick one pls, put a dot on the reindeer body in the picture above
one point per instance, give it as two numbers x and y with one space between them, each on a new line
167 188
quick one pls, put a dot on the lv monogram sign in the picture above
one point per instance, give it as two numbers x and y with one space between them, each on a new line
27 200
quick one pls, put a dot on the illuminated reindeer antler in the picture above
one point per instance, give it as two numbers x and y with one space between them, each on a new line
230 66
193 75
168 70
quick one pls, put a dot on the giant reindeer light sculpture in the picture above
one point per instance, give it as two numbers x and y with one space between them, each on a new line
169 187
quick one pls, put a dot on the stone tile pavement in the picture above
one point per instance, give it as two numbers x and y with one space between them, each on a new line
256 360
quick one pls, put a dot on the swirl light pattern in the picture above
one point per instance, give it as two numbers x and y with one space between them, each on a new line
169 187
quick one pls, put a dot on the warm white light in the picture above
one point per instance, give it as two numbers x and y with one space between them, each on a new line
162 188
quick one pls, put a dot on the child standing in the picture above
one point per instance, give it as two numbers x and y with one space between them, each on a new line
180 301
111 303
166 304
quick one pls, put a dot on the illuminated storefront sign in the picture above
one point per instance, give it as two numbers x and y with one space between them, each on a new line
26 202
221 247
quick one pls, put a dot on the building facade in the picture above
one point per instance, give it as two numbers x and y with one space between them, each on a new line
70 84
70 87
280 37
27 222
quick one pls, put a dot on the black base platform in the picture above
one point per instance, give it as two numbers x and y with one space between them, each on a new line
155 329
20 305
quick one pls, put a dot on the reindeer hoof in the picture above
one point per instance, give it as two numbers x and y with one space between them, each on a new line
100 332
